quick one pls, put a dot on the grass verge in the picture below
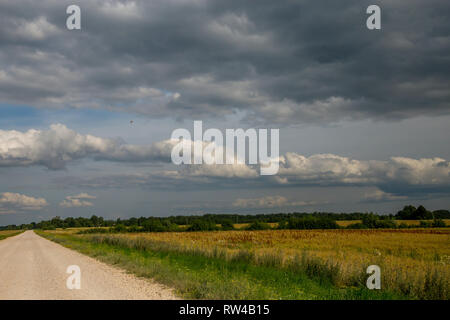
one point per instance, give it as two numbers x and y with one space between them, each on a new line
7 234
199 277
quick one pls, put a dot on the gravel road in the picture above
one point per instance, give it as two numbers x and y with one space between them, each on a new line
32 267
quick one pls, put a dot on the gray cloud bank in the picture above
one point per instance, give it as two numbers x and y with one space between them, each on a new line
395 176
280 62
59 146
276 201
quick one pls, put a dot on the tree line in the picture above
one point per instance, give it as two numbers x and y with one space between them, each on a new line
296 220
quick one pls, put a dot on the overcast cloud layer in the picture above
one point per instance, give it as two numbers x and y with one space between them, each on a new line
284 62
59 146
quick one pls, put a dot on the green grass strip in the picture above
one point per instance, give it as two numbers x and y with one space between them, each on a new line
4 236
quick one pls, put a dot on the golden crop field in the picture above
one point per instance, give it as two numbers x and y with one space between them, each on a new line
413 261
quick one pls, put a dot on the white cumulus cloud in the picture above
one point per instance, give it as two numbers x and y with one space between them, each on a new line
329 169
15 202
55 147
78 201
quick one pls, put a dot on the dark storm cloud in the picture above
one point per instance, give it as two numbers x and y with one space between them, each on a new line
280 62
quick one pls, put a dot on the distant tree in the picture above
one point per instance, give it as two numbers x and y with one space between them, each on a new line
120 228
257 225
406 213
439 223
227 225
69 222
413 213
153 225
425 224
132 222
94 221
311 223
441 214
422 213
202 225
370 220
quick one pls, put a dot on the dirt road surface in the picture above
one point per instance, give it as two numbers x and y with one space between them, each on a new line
32 267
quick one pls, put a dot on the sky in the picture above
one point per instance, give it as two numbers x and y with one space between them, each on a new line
86 116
